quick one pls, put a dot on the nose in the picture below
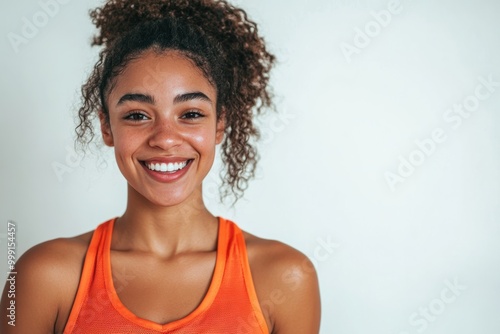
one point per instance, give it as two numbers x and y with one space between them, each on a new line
165 134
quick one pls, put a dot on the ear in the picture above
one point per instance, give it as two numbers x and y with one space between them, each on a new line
107 135
221 126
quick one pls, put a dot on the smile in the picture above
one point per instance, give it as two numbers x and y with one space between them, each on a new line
167 167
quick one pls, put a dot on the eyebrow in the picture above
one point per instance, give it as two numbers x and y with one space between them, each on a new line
191 96
145 98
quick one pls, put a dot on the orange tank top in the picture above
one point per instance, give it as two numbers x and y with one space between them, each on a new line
230 305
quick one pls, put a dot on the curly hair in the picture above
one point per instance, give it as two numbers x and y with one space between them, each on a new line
218 37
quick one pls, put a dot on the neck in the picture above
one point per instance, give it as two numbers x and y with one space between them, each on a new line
165 231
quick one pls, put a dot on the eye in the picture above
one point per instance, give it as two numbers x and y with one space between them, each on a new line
135 116
192 114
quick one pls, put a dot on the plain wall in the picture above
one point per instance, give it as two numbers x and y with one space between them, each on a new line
419 253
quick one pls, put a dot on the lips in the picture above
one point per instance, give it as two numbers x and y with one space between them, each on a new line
166 170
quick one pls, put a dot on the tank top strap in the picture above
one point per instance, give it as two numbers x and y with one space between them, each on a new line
238 269
88 271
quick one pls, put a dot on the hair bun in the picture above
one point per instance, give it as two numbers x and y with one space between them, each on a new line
117 17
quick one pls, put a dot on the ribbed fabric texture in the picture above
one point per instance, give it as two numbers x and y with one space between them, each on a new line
230 305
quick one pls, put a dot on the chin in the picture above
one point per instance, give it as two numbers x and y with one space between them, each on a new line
167 199
167 202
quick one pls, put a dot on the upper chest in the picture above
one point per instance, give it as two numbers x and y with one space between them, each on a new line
161 290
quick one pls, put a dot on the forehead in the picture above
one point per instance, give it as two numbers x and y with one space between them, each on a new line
164 74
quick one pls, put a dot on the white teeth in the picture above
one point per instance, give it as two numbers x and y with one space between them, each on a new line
164 167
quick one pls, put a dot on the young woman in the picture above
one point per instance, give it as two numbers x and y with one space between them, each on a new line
175 79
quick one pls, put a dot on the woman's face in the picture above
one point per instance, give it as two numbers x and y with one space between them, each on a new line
163 126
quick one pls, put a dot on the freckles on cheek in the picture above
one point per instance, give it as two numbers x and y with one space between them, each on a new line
123 148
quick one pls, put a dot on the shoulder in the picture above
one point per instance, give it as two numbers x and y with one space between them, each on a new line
278 259
54 258
47 278
286 284
55 251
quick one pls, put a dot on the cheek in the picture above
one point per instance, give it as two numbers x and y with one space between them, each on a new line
120 144
204 141
125 143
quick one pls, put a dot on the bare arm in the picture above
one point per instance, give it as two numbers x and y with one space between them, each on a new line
300 311
287 287
34 296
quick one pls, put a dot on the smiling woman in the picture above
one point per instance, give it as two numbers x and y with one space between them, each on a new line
174 80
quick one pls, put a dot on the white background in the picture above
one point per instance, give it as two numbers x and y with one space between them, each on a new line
343 123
